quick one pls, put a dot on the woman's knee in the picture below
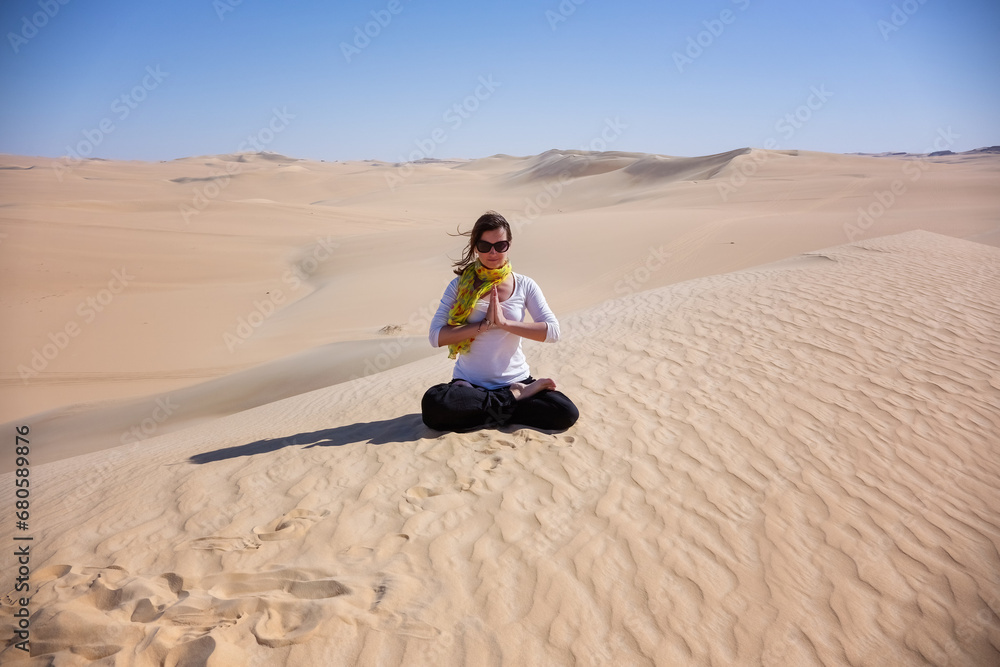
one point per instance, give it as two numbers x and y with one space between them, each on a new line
565 415
550 410
432 408
563 412
450 407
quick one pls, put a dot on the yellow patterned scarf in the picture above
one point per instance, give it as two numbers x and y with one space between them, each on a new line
468 295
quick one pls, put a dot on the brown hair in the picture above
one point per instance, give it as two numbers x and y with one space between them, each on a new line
486 222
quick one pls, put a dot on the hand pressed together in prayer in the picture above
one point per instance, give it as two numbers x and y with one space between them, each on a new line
495 313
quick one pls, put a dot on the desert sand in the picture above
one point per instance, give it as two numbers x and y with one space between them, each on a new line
787 367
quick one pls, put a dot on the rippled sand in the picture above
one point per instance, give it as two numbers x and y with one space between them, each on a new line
796 464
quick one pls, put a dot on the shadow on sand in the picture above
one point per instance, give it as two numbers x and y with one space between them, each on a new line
407 428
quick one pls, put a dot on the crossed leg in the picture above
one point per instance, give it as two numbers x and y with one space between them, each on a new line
460 405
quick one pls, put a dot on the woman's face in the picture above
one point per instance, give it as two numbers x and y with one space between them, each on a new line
493 259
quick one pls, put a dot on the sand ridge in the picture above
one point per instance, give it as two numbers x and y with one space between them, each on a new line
791 464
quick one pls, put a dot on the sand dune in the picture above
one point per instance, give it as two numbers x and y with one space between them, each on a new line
682 168
789 465
570 164
208 253
786 361
580 164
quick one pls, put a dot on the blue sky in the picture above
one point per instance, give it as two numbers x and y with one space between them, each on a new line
158 80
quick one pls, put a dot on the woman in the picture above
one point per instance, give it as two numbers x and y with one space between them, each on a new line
481 320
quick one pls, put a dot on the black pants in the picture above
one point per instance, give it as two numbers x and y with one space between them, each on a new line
451 407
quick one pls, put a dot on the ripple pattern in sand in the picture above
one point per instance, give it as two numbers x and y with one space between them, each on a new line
789 466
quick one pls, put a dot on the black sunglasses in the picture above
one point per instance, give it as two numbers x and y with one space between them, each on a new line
484 246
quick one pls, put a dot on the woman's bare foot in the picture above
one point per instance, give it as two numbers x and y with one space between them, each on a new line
523 391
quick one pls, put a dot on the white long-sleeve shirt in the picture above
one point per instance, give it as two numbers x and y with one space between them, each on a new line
495 358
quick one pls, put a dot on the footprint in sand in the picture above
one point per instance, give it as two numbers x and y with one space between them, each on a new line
421 492
391 544
291 525
219 543
147 612
13 597
297 583
50 572
468 484
563 441
490 464
436 499
387 547
198 651
163 592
